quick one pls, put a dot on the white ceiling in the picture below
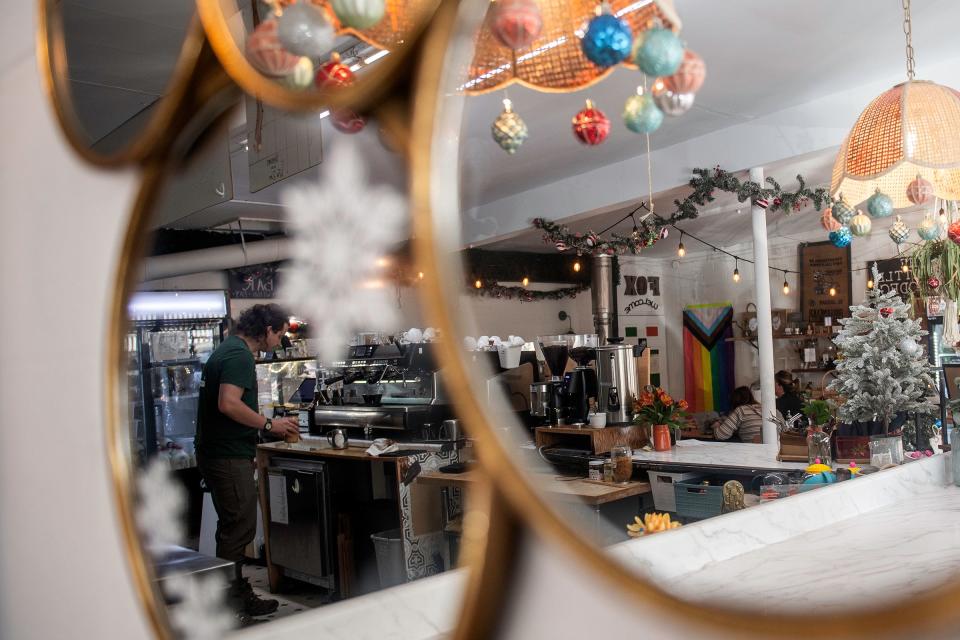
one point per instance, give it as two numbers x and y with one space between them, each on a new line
761 57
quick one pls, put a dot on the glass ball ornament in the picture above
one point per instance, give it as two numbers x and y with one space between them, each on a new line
841 237
879 205
908 346
842 212
333 74
953 232
641 114
933 282
671 103
346 120
359 14
302 75
920 191
304 30
827 220
515 23
607 40
509 130
657 51
860 225
689 77
265 51
590 125
899 231
930 228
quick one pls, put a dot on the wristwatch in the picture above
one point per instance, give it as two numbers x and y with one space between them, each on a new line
268 425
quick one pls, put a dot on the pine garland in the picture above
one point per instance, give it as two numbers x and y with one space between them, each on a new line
495 290
704 183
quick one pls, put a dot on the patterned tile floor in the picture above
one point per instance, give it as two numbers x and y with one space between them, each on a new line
296 597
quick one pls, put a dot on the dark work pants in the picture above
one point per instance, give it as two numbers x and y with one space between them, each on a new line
234 494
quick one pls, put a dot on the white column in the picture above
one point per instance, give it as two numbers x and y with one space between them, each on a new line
768 396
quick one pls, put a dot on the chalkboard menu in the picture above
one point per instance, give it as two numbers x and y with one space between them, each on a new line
258 281
892 276
824 268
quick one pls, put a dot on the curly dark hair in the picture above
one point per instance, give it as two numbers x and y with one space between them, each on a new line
254 321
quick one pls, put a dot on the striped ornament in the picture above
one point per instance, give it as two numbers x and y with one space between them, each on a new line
689 77
920 191
828 222
265 52
359 14
515 23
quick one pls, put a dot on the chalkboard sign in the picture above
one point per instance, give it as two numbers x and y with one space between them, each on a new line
824 268
892 276
258 281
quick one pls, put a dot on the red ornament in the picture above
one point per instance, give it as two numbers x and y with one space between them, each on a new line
334 74
515 23
919 191
689 77
886 312
953 231
347 120
561 245
265 52
933 282
590 125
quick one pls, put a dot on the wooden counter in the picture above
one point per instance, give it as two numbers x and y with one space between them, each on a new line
591 492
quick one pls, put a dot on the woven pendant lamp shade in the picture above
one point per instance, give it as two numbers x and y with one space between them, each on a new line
554 62
912 129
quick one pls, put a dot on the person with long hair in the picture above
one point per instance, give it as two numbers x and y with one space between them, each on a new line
789 402
745 419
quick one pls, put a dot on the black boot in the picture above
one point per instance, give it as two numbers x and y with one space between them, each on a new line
248 602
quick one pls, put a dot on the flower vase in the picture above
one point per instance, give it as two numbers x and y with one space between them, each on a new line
661 437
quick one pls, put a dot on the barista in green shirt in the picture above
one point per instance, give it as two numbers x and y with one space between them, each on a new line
228 422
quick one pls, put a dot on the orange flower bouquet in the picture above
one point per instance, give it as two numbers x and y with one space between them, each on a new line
655 406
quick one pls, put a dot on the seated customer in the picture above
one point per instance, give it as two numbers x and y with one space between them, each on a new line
789 402
745 419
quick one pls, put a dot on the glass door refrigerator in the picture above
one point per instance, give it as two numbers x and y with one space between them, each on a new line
172 333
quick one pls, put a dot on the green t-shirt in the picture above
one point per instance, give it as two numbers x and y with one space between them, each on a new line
217 435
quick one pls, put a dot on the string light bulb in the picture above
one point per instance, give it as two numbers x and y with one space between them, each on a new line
736 272
478 284
576 266
833 290
420 275
786 285
905 267
525 281
870 282
681 251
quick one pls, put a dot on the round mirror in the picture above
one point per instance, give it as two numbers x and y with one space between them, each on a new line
116 71
588 361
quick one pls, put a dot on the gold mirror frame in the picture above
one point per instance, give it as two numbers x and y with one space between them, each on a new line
511 499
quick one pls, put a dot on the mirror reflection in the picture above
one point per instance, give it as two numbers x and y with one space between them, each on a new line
675 328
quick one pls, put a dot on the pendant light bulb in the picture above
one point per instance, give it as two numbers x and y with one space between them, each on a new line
736 272
478 284
576 266
786 286
420 275
525 281
905 267
870 283
680 250
833 290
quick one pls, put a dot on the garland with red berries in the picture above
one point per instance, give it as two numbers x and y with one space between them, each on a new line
495 290
704 182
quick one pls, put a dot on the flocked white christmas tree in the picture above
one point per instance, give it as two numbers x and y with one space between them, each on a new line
883 370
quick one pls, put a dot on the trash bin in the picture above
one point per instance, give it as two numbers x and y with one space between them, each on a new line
389 548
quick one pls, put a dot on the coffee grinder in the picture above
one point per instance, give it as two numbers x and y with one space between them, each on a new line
550 394
580 386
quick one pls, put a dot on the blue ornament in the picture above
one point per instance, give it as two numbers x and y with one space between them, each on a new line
607 41
658 52
879 205
841 237
641 114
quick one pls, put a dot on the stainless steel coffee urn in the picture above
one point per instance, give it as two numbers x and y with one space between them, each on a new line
619 382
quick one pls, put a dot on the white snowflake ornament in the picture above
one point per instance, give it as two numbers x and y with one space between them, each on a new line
340 228
200 613
160 507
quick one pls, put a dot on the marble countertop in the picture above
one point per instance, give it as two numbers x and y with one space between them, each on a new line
720 455
874 539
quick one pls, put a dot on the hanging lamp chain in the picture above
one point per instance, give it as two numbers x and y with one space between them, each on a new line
908 32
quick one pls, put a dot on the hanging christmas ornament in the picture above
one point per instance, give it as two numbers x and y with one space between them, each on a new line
842 212
953 232
670 102
641 114
933 282
930 228
304 30
689 76
879 205
657 51
899 231
827 220
302 75
886 312
333 74
590 125
561 245
266 53
358 14
841 237
347 120
515 23
508 130
860 225
592 239
607 40
909 347
920 191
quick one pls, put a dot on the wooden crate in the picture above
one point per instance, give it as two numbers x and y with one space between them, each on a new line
598 440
